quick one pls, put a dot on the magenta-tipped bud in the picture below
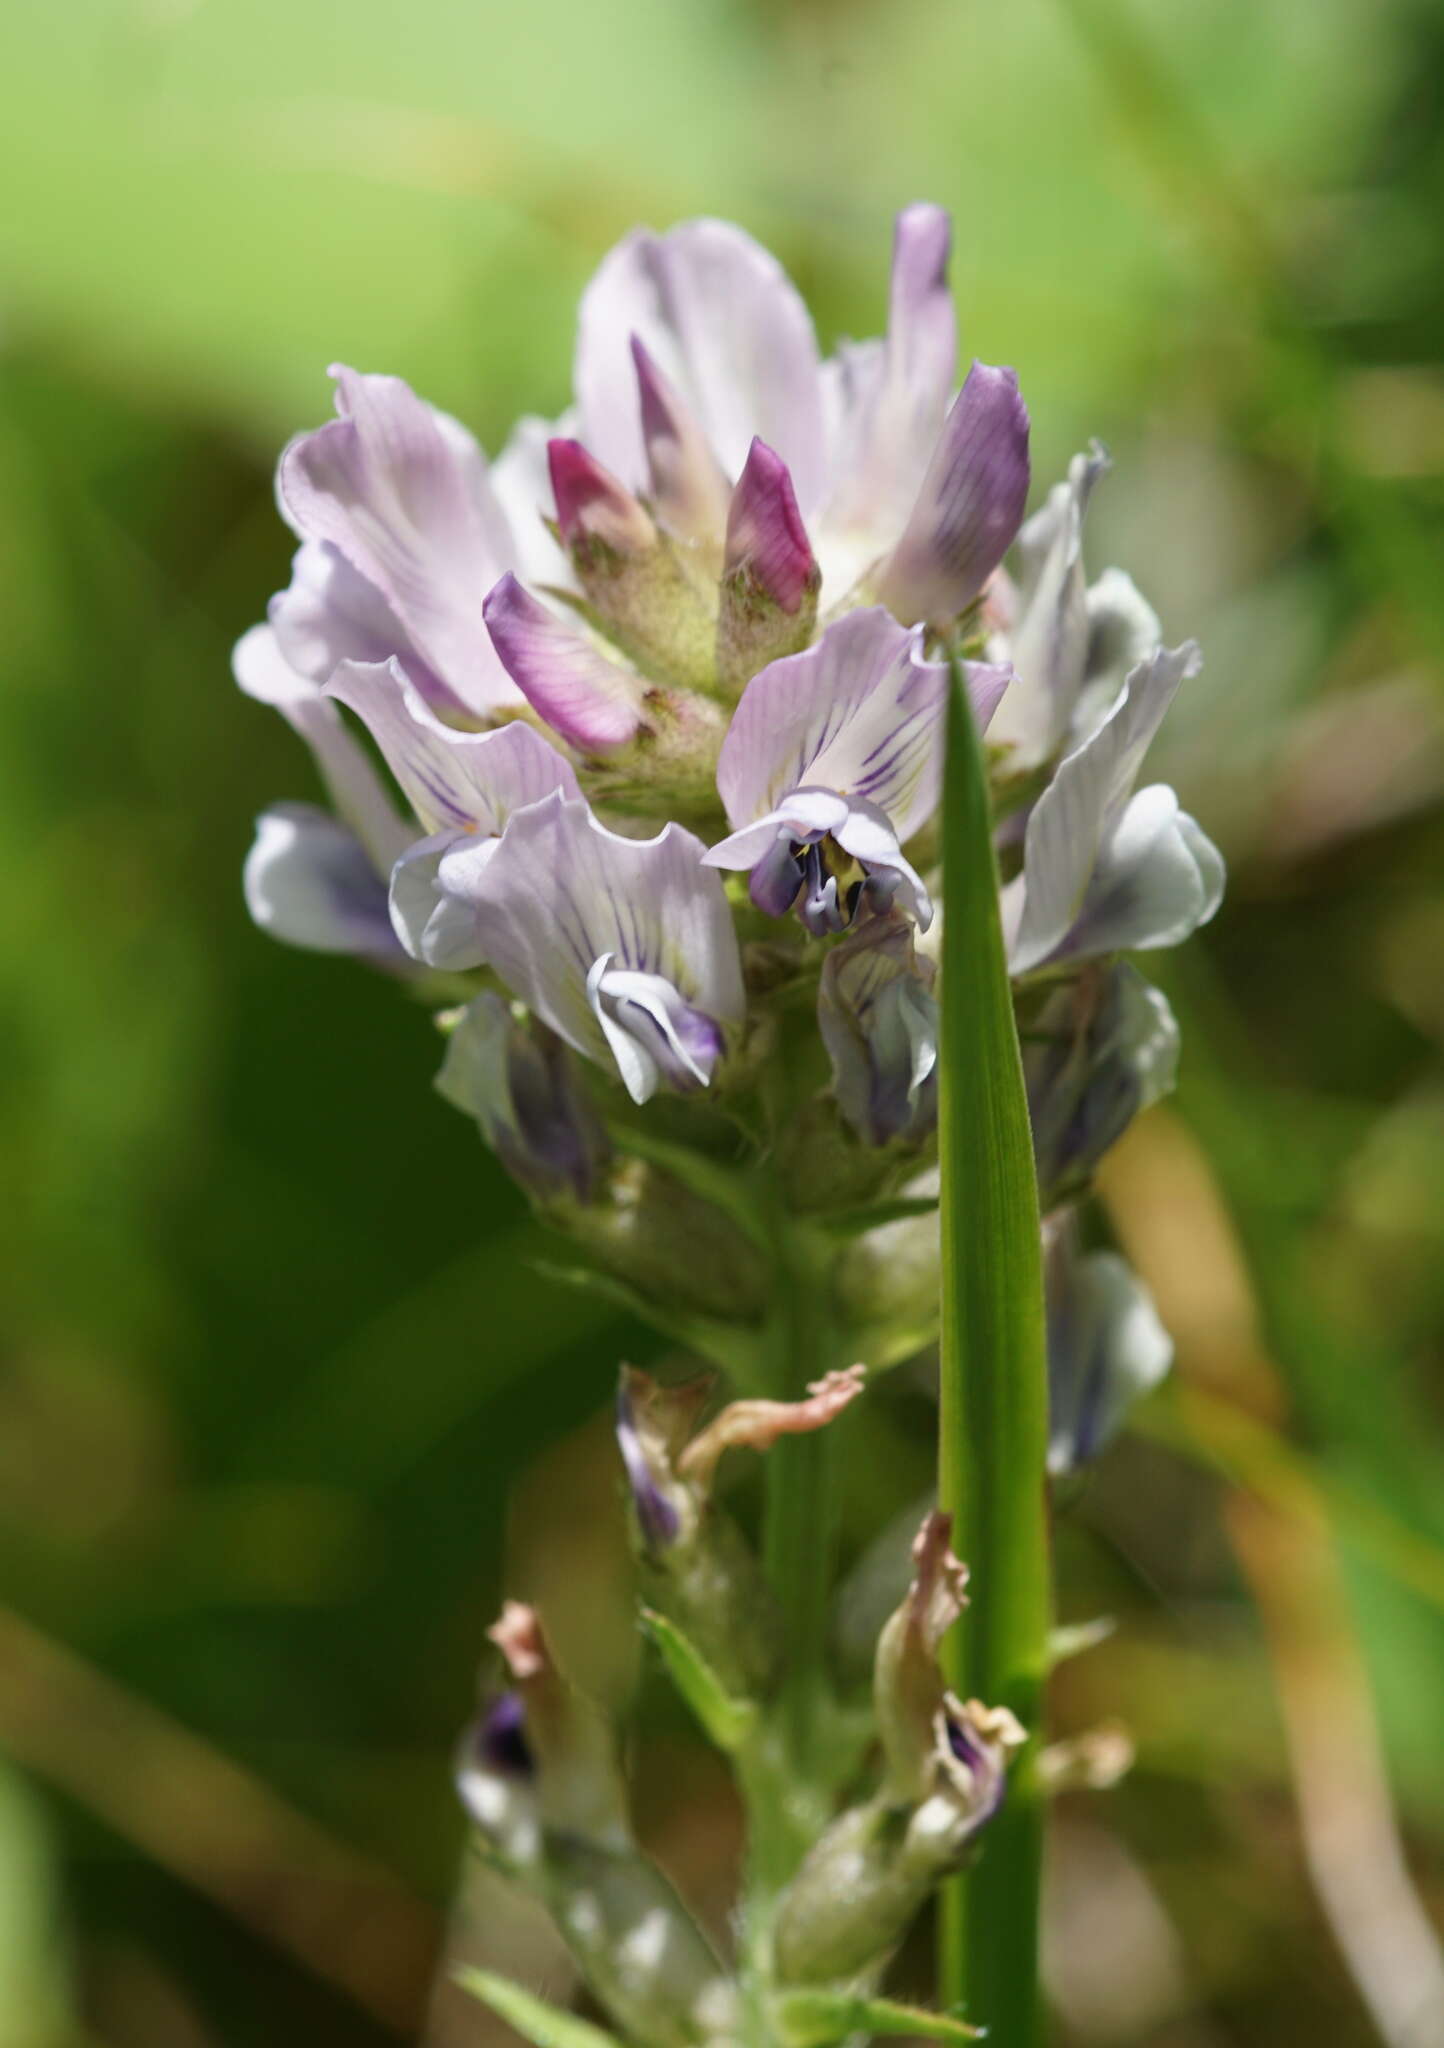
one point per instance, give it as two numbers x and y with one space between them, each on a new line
592 506
766 539
770 578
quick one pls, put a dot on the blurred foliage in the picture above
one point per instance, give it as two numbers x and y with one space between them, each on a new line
274 1352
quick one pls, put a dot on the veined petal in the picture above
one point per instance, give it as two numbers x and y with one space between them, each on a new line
589 700
310 882
860 712
1101 1048
401 490
1048 640
562 891
893 405
457 781
351 782
654 1034
968 506
687 486
331 613
725 325
432 912
1157 880
1078 812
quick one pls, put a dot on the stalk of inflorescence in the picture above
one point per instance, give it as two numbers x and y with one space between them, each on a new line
993 1423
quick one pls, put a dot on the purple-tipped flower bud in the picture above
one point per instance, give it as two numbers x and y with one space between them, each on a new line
770 577
650 607
1097 1051
700 1572
879 1021
945 1771
594 511
538 1775
523 1087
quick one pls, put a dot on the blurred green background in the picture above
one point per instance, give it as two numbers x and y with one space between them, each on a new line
274 1355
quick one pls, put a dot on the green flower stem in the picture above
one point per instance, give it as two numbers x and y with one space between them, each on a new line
994 1401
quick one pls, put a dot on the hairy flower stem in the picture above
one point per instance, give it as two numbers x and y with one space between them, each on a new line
993 1400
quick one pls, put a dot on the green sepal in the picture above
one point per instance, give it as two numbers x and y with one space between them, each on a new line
546 2026
811 2019
727 1720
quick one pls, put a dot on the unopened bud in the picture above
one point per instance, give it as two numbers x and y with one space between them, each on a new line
539 1777
646 602
945 1772
879 1022
1106 1345
770 577
1095 1052
525 1091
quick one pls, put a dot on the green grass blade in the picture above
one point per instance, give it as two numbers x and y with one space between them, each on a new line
544 2025
994 1400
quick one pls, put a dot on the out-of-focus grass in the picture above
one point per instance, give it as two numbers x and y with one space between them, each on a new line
272 1348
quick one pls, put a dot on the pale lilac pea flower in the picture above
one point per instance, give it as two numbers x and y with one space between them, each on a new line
1105 870
832 761
404 536
1101 1049
311 879
625 947
463 787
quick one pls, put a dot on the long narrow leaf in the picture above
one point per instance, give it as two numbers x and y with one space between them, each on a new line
545 2026
994 1397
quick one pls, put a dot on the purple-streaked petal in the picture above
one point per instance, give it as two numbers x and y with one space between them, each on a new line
687 487
589 700
969 505
725 325
351 782
401 490
561 891
310 882
457 781
592 505
1048 639
894 411
860 713
1078 812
